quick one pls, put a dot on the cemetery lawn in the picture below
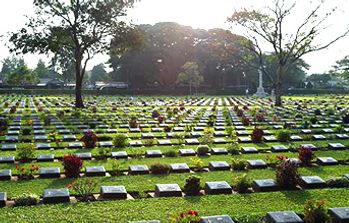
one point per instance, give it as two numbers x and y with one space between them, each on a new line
236 205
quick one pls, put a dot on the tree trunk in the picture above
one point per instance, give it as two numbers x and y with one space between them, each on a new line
190 88
278 86
78 83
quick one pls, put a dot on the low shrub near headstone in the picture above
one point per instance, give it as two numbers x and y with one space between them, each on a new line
202 150
316 212
338 182
26 173
83 188
257 135
158 168
26 153
89 139
192 186
238 164
287 175
72 165
242 183
283 135
26 200
198 164
120 140
306 155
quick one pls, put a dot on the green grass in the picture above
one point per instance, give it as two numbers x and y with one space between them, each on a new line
237 206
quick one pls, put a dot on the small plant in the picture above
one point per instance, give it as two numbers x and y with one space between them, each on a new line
257 135
161 119
103 153
306 155
316 212
202 150
245 120
133 123
120 140
25 173
158 168
313 120
192 186
115 168
26 153
89 139
26 199
198 164
208 136
287 175
72 165
283 135
185 217
171 153
83 188
54 138
345 118
155 114
148 142
242 183
26 131
338 182
233 148
238 164
339 129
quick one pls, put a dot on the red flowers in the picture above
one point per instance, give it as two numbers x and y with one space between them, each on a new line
89 139
281 158
193 213
72 165
186 217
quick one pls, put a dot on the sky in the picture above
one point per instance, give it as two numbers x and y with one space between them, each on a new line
205 14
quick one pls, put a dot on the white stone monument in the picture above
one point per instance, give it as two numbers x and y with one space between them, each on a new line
260 90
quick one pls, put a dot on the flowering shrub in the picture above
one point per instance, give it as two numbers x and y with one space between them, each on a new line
240 112
161 119
89 139
242 183
198 164
257 135
155 114
287 175
316 212
192 186
72 165
185 217
245 107
27 173
54 138
306 155
83 188
260 117
238 164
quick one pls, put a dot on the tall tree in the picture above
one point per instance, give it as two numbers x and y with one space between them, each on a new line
41 69
267 28
84 27
341 68
190 75
10 64
22 76
98 73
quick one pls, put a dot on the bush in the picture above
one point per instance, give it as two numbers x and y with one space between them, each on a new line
116 169
306 155
72 165
192 186
283 135
26 153
158 168
287 175
149 142
317 112
238 164
346 119
241 183
198 164
202 150
257 135
233 148
133 123
26 199
155 114
339 129
26 173
338 182
120 140
26 131
89 139
313 120
245 121
83 188
330 111
171 153
316 212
